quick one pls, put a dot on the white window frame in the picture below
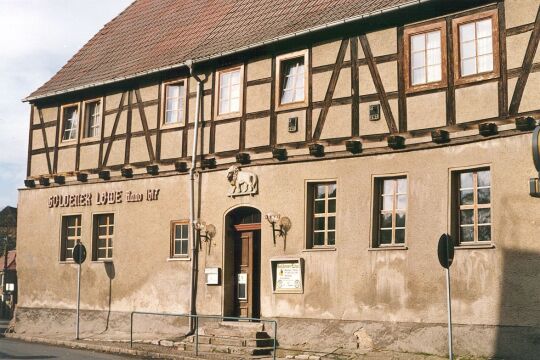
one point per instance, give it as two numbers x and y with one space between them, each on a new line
63 123
64 237
229 114
86 120
174 239
310 200
181 120
96 236
279 80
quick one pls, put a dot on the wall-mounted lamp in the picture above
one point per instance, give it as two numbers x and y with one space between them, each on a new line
284 224
205 231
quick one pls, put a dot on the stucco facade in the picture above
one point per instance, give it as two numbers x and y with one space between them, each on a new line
362 296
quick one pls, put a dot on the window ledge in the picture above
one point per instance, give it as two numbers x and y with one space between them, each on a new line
474 246
187 258
102 261
383 248
67 262
320 249
172 125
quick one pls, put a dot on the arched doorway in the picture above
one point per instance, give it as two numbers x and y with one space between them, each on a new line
242 263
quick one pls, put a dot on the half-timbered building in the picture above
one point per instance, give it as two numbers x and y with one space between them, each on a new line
294 160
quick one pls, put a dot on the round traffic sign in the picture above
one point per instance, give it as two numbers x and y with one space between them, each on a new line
79 253
536 148
445 250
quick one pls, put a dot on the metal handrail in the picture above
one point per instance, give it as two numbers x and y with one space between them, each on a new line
196 319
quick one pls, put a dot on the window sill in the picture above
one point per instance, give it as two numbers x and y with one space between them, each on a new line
474 246
297 105
185 258
67 142
67 262
383 248
227 116
320 249
102 261
85 140
173 125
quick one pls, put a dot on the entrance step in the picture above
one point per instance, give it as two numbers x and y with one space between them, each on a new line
236 328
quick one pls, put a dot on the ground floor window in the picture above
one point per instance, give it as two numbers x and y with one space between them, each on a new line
103 235
179 238
390 211
70 235
322 212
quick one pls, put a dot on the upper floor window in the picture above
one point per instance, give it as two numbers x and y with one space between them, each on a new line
103 235
425 56
175 103
70 235
322 199
391 211
92 115
472 206
70 121
292 78
230 91
476 45
179 238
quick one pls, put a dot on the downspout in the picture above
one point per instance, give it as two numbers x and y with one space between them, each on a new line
192 220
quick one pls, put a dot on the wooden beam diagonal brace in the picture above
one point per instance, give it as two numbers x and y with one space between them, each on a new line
113 132
144 122
330 91
45 144
385 105
526 67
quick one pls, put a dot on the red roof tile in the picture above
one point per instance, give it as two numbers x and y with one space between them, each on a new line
151 35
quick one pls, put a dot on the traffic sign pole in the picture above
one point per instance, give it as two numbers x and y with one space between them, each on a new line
78 297
449 302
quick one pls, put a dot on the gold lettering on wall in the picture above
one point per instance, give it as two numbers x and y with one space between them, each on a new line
101 198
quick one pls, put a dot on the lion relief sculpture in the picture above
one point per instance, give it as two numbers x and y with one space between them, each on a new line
242 182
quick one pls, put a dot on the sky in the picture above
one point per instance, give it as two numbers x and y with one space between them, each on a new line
37 37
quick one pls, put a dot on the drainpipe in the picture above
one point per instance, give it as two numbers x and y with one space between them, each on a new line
192 220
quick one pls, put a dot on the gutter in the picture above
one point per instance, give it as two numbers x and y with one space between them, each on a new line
189 63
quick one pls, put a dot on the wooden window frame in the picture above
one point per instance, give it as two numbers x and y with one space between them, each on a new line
173 239
378 183
95 236
279 82
456 207
84 122
64 237
456 23
183 121
310 215
408 32
219 72
62 124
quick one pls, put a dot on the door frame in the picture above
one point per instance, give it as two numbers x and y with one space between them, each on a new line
230 231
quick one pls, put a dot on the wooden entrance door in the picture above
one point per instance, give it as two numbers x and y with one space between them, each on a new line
246 273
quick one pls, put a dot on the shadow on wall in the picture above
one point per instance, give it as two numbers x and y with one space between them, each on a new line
111 273
518 337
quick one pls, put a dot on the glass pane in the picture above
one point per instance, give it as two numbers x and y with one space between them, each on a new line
225 79
483 28
485 63
385 237
320 191
388 186
109 253
331 238
235 105
286 96
400 219
418 60
467 197
468 67
242 291
178 231
235 77
418 76
484 233
468 50
102 253
172 91
434 73
331 206
319 206
484 216
102 230
318 238
402 186
434 40
466 217
70 231
332 190
184 231
484 196
484 178
400 236
402 202
177 247
318 223
418 42
386 220
235 91
69 254
388 202
466 32
101 243
184 247
466 180
434 57
331 223
485 46
223 107
466 234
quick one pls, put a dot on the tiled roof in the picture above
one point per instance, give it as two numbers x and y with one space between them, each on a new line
152 35
11 261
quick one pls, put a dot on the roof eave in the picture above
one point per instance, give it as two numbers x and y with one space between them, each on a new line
225 53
